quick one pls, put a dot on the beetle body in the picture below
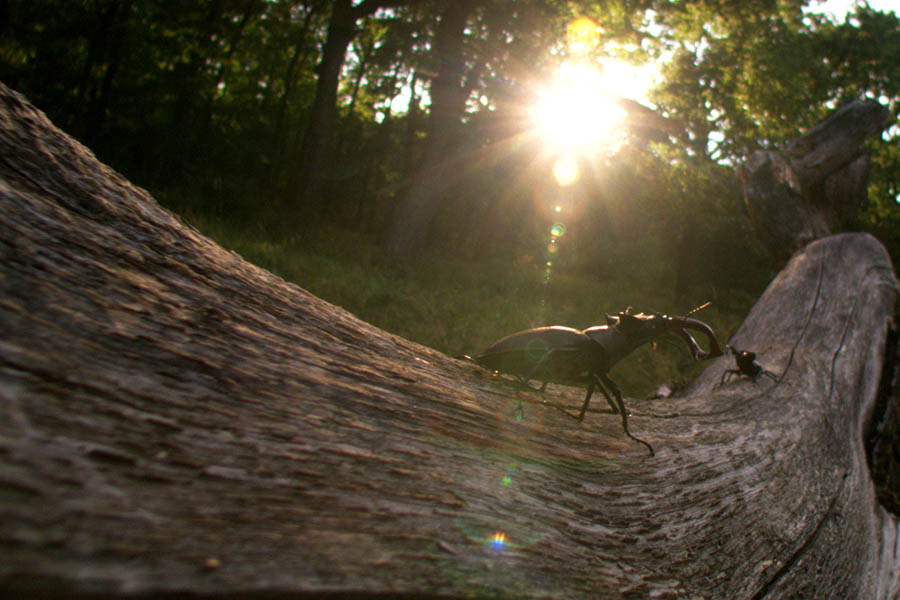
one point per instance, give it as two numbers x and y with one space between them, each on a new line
583 358
747 365
550 354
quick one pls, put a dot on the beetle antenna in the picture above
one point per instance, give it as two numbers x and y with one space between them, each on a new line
699 308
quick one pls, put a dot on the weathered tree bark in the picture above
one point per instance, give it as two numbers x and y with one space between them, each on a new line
817 184
176 420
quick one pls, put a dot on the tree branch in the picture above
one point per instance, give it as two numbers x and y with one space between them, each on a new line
817 184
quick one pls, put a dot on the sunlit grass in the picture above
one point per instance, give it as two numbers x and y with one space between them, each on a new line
462 307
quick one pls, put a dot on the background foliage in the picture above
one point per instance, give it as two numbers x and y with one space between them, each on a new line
222 108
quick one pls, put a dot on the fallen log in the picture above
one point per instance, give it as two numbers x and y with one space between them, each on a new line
174 420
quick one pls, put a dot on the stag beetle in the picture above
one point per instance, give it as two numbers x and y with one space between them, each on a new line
746 365
583 358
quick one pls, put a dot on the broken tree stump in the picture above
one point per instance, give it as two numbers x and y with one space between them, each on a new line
816 185
174 420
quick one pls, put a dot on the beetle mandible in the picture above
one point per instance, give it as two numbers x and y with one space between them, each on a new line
576 358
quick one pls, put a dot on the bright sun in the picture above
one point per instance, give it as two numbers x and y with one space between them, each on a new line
579 110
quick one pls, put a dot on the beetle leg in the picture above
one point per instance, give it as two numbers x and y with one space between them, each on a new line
524 383
770 374
587 400
612 405
738 372
607 384
725 375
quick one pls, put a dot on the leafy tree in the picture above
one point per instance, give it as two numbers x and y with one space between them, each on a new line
342 28
740 84
364 112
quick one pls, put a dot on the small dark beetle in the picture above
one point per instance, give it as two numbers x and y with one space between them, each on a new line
746 365
583 358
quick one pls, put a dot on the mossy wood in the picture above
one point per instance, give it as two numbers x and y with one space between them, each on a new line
176 420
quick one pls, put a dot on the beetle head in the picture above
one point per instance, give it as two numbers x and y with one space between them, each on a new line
741 354
641 328
613 320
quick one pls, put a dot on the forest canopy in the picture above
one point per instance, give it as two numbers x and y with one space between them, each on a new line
418 123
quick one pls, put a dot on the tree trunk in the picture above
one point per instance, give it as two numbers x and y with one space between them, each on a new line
251 9
315 150
317 139
817 184
105 49
440 164
176 420
288 83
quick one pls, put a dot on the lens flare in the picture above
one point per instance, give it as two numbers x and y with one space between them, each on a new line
500 533
565 171
516 418
582 35
578 111
558 230
520 413
537 348
507 479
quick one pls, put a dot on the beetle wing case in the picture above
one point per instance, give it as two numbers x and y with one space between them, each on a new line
551 354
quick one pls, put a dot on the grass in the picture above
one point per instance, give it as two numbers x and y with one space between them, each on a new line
460 306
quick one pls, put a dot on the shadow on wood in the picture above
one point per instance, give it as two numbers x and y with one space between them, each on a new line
176 420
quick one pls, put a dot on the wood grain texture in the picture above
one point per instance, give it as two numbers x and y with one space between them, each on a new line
176 420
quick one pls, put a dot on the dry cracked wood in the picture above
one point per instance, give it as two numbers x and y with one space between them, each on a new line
174 419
